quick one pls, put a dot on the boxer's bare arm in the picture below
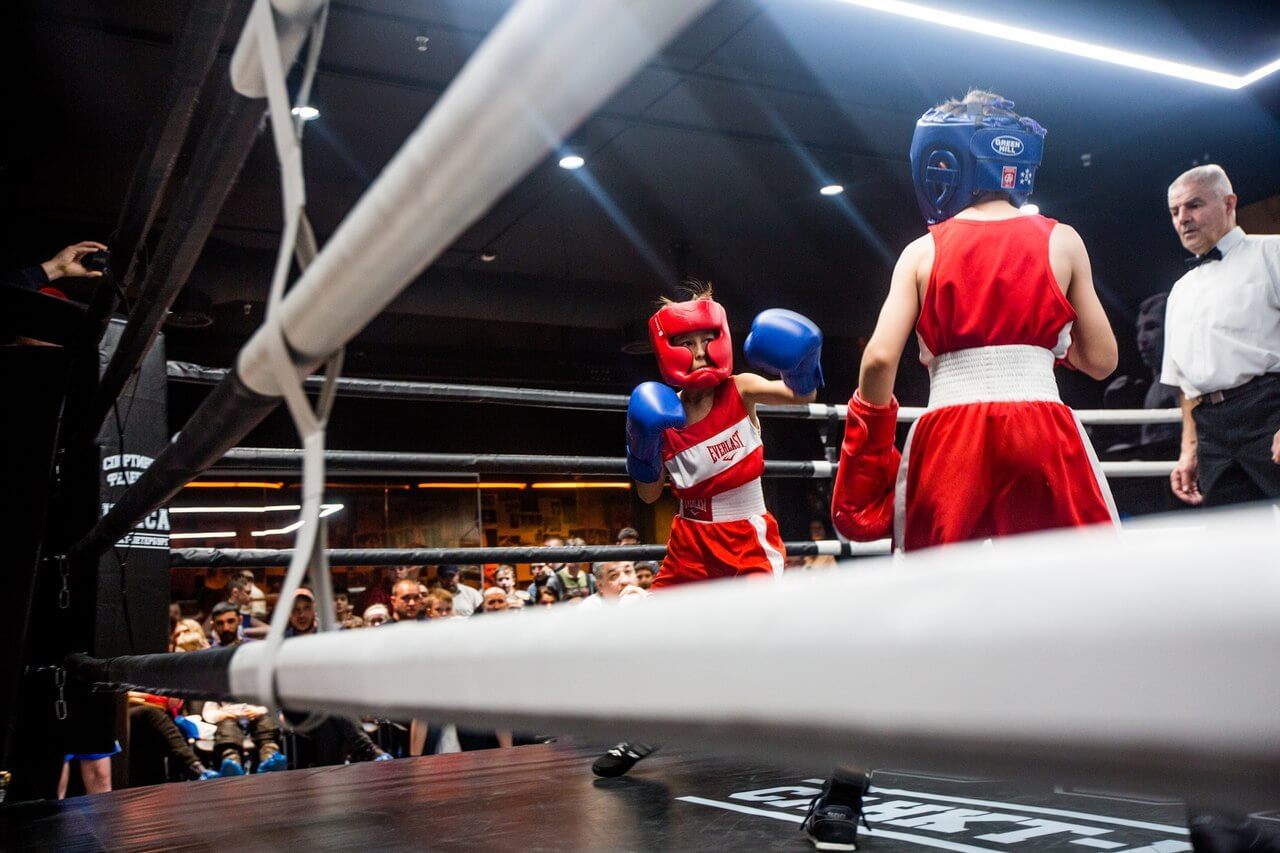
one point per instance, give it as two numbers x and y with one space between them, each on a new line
897 318
1093 343
650 492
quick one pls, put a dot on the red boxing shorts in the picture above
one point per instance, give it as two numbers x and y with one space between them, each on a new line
983 470
707 550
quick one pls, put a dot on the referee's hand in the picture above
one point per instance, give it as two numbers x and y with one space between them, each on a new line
1275 448
1185 480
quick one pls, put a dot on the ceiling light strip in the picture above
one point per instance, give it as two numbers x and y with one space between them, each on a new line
1062 44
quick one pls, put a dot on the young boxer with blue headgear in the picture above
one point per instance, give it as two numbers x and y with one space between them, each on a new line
996 297
705 440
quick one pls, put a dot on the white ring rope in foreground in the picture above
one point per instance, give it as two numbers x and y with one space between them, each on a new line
1075 655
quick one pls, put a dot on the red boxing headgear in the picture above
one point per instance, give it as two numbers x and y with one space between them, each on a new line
676 363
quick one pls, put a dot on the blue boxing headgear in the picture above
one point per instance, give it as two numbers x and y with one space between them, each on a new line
956 158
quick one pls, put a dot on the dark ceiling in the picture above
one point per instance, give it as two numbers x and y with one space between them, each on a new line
706 164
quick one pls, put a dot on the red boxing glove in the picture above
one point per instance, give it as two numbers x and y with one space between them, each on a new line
862 500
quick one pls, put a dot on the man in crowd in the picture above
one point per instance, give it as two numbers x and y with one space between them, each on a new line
240 595
627 536
546 574
495 599
233 720
302 617
226 624
645 573
257 598
574 581
406 601
466 599
375 615
616 581
1222 347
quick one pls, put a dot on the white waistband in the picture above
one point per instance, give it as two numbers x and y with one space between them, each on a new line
735 504
1012 373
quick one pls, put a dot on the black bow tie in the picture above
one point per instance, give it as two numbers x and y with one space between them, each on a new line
1211 255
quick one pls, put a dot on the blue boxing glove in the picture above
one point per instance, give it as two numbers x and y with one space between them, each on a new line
653 408
788 344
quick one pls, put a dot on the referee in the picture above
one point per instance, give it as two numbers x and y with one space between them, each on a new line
1222 347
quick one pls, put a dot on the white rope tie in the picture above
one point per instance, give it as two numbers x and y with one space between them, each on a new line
297 240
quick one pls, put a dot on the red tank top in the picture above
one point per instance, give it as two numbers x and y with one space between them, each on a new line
992 285
720 452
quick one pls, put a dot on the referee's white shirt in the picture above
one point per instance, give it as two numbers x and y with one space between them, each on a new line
1222 320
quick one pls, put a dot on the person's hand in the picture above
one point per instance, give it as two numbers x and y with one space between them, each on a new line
1275 448
632 594
1185 479
67 262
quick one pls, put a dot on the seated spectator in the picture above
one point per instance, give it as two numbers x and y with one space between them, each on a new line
257 598
818 532
188 636
154 735
495 600
406 601
226 624
505 577
440 602
575 582
628 536
645 573
302 617
466 599
617 581
545 574
375 615
547 596
232 721
337 740
239 592
342 607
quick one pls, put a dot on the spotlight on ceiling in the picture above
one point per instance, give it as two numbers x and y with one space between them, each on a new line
832 189
1030 209
306 113
572 161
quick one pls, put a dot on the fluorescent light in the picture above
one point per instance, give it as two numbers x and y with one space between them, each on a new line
220 484
1030 209
184 510
306 113
832 189
325 511
1061 44
221 534
572 161
585 485
473 485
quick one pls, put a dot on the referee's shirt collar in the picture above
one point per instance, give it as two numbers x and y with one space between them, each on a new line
1230 240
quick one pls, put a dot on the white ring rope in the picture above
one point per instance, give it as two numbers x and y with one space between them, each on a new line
1077 655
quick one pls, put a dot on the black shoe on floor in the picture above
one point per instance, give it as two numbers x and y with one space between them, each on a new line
832 821
621 758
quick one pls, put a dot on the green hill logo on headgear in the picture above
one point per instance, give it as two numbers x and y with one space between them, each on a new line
1007 146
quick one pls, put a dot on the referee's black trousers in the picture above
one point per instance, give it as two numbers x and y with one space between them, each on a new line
1235 438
